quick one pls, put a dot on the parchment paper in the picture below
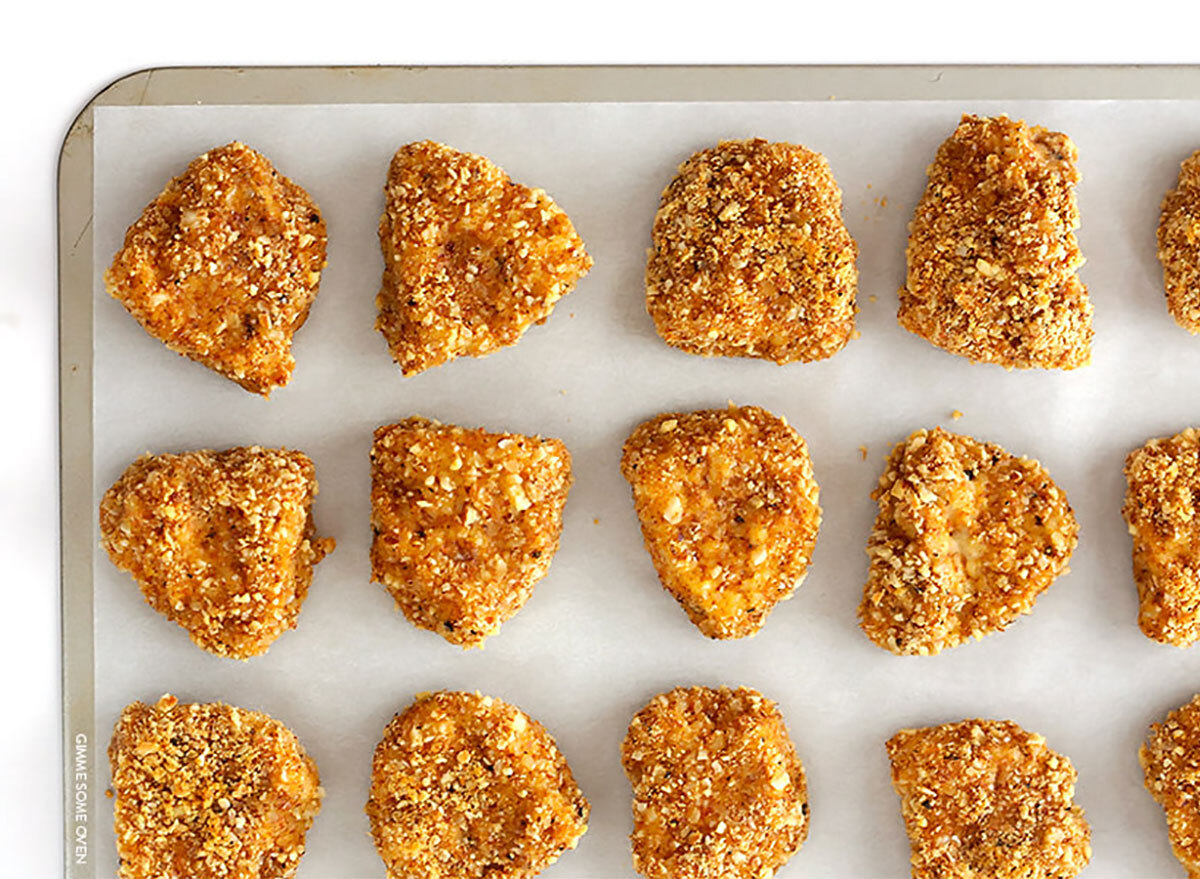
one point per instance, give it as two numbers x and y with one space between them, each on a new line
600 637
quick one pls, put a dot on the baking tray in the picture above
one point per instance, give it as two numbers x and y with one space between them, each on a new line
838 735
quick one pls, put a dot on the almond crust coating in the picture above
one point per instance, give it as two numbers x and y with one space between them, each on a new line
1162 509
751 257
224 265
222 543
1179 246
1170 759
992 254
967 537
465 522
465 786
471 259
984 799
718 791
729 512
209 791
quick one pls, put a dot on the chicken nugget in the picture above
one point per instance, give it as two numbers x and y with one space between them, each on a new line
1179 246
967 537
1170 759
1162 509
729 511
465 786
984 799
465 522
718 791
224 265
209 791
222 543
471 259
751 257
992 254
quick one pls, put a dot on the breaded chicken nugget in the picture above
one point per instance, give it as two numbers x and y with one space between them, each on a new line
992 253
718 791
984 799
1170 759
465 522
1179 246
967 537
471 259
465 786
751 257
209 791
222 543
224 265
729 511
1162 509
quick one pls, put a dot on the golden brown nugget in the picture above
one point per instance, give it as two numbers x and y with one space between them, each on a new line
984 799
222 543
992 254
751 257
967 537
1179 246
224 265
465 786
729 511
209 791
1162 509
1170 759
718 791
471 259
465 522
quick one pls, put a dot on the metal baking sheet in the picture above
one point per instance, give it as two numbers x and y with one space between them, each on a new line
599 637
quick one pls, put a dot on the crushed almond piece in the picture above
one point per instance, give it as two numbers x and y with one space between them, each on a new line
992 253
465 522
751 257
984 799
967 537
471 259
224 265
222 543
1179 246
1170 759
209 791
718 790
1162 510
729 515
465 786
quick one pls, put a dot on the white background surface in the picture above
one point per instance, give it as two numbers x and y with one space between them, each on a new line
58 56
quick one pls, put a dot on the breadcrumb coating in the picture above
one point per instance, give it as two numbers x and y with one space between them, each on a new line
992 254
751 257
465 522
465 786
471 259
1170 759
222 543
209 791
224 265
967 537
729 511
1162 509
718 791
984 799
1179 246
